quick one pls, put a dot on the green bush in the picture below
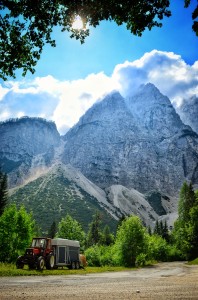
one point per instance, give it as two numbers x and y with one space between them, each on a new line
131 240
93 256
100 256
157 248
173 253
141 260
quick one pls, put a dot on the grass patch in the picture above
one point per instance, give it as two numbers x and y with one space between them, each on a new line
193 262
11 270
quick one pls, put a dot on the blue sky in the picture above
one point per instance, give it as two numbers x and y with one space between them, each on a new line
71 77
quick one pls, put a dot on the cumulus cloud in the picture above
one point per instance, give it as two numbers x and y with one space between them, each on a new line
61 101
66 101
166 70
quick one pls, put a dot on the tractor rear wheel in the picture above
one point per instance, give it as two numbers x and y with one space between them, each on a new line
50 262
40 263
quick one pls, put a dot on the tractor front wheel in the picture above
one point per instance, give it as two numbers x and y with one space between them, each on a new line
40 263
19 263
50 262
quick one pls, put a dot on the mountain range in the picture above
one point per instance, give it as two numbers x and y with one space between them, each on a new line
124 156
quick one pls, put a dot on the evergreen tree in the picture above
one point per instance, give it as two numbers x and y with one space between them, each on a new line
149 230
165 233
157 228
52 230
3 192
186 202
107 236
185 231
94 234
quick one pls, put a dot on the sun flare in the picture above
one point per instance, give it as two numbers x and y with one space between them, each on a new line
78 23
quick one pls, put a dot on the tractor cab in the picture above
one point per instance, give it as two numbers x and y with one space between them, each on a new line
40 246
44 243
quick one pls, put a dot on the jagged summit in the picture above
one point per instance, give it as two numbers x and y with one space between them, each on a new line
138 142
154 112
103 111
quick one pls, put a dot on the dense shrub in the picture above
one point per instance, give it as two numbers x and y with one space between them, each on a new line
100 256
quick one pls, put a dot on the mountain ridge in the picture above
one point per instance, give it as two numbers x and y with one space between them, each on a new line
123 149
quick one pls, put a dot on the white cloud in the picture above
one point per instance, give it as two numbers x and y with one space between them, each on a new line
61 101
66 101
168 71
3 92
79 95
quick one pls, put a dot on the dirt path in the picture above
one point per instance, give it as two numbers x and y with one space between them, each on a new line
163 281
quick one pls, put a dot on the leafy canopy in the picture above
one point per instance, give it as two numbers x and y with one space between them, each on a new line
26 25
69 228
130 240
16 232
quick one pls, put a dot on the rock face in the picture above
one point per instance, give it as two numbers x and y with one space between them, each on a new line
97 145
139 143
188 112
128 155
26 143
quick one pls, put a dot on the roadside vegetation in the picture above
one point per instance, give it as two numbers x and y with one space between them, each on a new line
9 269
132 245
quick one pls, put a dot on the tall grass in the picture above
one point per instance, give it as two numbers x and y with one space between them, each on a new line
11 270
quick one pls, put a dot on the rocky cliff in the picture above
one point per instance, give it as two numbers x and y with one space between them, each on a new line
26 144
139 143
188 112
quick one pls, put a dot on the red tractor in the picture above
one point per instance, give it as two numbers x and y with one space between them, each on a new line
38 255
52 253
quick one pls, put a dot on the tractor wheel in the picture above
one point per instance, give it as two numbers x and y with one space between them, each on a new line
77 265
19 263
73 265
50 262
40 263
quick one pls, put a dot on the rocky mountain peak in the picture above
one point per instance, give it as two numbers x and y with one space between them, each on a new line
154 112
25 143
102 109
139 142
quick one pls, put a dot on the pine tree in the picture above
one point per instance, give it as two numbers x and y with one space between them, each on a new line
52 230
186 202
165 232
107 236
3 192
94 233
186 227
157 228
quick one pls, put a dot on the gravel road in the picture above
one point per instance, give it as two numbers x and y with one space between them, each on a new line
163 281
